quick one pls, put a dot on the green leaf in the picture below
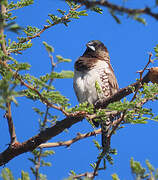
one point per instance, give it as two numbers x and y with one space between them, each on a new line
25 176
13 27
49 48
54 18
98 88
62 75
61 11
93 165
16 47
115 17
48 21
149 165
97 10
19 4
47 153
6 174
43 177
96 143
61 59
43 163
30 31
38 111
137 169
115 177
72 172
67 74
82 13
70 3
156 50
140 19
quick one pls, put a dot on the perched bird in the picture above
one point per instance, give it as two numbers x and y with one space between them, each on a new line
91 70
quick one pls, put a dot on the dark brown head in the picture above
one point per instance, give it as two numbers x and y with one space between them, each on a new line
96 49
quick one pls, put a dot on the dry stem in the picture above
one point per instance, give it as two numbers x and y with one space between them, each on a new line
70 142
117 8
12 133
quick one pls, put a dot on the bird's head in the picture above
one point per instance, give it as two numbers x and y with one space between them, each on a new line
96 48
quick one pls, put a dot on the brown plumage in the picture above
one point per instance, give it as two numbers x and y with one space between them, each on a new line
153 74
91 68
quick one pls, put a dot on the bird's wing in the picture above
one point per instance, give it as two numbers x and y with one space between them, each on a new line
112 81
85 63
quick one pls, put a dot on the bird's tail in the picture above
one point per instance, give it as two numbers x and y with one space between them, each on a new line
105 129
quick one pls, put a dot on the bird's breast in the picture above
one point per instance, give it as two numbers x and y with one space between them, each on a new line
85 82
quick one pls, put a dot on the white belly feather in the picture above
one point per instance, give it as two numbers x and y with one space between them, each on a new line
84 82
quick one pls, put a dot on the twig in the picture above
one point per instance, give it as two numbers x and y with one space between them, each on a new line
12 133
8 115
2 22
142 71
50 82
118 8
86 174
37 166
44 100
116 124
98 164
65 17
141 74
70 142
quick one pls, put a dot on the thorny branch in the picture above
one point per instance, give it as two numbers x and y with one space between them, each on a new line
64 18
60 126
37 166
8 114
141 74
69 142
117 8
38 139
50 82
81 136
89 175
44 100
149 61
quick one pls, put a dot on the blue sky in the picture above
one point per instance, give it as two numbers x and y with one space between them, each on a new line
128 45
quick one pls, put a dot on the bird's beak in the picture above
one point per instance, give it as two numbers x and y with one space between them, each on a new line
90 46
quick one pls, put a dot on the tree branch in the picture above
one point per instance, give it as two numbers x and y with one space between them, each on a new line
43 99
60 126
8 115
64 18
114 7
37 166
69 142
40 138
89 175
